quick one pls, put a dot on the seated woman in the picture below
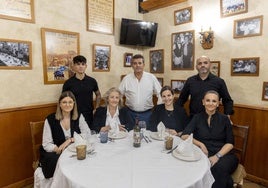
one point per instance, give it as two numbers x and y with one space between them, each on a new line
174 117
112 114
58 132
212 132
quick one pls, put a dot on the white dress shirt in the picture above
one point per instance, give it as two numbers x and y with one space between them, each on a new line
48 143
139 93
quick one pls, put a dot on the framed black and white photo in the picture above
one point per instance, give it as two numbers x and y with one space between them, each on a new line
161 81
177 85
127 59
183 16
265 91
245 66
230 8
215 68
182 45
248 27
101 58
157 61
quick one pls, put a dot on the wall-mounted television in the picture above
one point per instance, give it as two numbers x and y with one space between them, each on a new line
138 32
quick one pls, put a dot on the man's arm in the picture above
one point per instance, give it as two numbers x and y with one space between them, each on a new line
98 98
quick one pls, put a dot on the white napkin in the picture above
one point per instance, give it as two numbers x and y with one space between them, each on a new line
114 128
161 129
185 147
79 140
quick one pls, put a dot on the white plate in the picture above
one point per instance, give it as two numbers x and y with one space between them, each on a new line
155 135
121 134
72 148
195 157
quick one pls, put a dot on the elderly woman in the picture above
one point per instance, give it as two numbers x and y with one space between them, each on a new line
113 113
174 117
58 132
212 132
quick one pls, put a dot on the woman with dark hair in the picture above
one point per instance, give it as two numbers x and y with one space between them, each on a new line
112 114
58 132
212 132
174 117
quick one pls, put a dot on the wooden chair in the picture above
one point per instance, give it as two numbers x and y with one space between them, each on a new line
241 137
36 133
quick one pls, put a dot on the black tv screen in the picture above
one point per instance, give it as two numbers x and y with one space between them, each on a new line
138 32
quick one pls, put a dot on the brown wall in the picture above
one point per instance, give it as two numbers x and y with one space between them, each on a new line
16 152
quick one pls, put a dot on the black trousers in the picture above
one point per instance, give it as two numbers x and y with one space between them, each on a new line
223 170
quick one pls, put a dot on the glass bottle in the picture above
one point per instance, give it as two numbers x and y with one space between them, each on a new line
136 135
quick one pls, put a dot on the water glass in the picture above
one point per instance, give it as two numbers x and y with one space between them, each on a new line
142 125
103 136
92 139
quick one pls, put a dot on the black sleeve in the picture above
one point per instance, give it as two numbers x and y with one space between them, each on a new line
154 119
126 119
184 95
99 119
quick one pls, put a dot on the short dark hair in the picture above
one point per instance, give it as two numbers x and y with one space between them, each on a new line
165 88
138 56
79 59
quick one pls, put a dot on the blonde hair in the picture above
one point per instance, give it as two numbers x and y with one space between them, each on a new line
106 96
74 112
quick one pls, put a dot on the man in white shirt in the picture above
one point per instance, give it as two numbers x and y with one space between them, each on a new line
138 88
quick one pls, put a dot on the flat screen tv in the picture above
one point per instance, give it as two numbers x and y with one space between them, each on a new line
138 32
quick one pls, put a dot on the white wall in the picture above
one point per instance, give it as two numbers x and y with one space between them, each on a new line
26 87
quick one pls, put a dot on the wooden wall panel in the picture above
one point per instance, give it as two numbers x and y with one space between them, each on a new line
16 152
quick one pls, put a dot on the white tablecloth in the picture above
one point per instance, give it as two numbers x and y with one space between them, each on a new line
119 165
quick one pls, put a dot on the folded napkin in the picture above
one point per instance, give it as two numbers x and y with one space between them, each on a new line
114 128
79 140
186 147
161 129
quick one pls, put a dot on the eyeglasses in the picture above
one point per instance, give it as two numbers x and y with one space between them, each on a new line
67 102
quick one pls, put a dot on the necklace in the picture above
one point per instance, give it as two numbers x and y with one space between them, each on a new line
169 113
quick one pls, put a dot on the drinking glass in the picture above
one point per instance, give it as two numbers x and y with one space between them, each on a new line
92 139
142 125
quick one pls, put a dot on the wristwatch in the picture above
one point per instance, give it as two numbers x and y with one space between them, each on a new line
218 155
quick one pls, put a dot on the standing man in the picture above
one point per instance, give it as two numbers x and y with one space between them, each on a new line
138 88
83 87
196 86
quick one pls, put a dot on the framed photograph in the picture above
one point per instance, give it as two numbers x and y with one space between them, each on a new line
230 8
248 27
101 58
17 10
161 81
245 66
265 91
157 61
215 68
177 85
58 49
15 54
127 59
183 16
100 16
182 45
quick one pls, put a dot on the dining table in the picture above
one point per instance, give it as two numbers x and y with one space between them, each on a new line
117 164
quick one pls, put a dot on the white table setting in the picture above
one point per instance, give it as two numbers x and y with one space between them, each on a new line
120 165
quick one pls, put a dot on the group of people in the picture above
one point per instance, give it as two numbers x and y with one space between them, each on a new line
212 130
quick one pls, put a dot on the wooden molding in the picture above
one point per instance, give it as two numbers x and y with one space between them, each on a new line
156 4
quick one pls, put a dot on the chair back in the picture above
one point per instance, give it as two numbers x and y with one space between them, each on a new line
240 133
36 134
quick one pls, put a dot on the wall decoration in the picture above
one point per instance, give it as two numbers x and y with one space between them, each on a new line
177 85
230 8
265 91
215 68
15 54
248 27
245 66
157 61
101 58
17 10
58 49
127 59
182 45
160 80
100 16
183 16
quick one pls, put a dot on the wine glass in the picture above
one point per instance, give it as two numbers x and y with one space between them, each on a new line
142 125
92 139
